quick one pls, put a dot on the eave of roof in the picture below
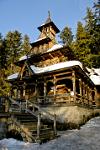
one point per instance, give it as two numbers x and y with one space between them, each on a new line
41 40
47 24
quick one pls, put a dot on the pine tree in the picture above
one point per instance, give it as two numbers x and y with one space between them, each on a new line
3 53
96 35
93 31
13 46
81 45
97 12
66 36
26 45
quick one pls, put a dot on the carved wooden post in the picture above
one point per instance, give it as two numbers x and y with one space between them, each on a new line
26 105
88 95
36 88
55 130
16 93
84 102
95 96
74 85
54 88
38 125
45 90
80 86
24 92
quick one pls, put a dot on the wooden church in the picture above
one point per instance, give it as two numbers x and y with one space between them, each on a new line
50 74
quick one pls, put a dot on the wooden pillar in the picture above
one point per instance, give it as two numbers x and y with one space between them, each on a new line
36 88
38 125
54 85
18 92
95 96
80 86
84 101
54 88
88 95
24 92
74 85
45 90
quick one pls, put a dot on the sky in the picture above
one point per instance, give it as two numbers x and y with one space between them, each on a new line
26 15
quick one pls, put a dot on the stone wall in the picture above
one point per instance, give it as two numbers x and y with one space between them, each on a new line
3 128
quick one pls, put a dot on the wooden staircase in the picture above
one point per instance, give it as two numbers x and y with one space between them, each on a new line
31 125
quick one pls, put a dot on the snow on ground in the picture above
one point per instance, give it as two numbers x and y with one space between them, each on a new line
87 138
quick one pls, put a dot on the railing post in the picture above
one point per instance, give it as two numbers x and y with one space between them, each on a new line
74 85
26 106
55 130
20 106
38 125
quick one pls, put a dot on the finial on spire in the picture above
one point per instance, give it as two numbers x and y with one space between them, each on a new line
49 15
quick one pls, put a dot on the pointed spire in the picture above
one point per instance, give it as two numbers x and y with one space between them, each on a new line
49 18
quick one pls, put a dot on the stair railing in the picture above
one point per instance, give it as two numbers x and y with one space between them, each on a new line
40 111
43 113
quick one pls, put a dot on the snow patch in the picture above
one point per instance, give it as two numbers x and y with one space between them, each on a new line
94 74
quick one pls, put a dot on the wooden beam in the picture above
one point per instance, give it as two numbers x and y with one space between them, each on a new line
63 73
62 78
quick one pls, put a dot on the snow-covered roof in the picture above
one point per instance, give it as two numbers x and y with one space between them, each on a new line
13 76
54 47
39 39
94 74
97 70
57 66
95 79
23 58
